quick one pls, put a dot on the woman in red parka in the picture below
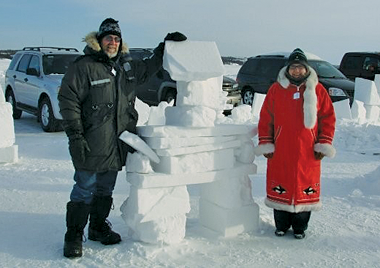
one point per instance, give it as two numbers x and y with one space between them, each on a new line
296 130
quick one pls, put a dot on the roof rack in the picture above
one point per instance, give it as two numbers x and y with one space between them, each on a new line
56 48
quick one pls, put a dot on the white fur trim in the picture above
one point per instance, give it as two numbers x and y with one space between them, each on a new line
326 149
264 149
293 208
309 96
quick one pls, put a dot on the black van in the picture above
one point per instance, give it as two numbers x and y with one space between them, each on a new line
360 64
258 73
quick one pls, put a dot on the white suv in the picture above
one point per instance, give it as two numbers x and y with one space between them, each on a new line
32 82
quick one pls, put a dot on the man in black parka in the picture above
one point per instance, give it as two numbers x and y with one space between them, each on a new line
97 103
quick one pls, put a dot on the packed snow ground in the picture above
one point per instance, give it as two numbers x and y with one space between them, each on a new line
345 233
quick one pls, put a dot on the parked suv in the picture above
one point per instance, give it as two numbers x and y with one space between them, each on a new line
258 73
161 87
32 82
360 64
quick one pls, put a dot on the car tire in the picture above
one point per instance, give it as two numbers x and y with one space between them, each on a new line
171 94
46 117
247 96
10 97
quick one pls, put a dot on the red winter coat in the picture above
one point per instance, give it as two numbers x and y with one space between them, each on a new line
295 122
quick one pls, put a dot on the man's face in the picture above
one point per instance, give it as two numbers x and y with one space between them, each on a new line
297 70
110 45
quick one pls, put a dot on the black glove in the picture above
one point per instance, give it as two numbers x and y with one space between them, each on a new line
318 155
78 148
176 36
268 155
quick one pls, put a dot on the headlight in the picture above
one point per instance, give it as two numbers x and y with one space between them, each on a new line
336 92
235 86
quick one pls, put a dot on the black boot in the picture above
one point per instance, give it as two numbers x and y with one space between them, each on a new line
99 228
76 220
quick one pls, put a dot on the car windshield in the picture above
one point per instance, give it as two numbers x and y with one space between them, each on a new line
325 69
57 64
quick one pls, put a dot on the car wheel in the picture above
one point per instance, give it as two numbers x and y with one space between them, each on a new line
46 117
248 96
170 95
10 97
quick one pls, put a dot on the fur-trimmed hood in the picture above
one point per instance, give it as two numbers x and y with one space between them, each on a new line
310 97
93 43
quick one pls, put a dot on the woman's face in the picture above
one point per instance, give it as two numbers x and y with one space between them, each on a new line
297 70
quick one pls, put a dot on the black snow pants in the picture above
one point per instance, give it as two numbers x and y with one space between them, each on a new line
298 221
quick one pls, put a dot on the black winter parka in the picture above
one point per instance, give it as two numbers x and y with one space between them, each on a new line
97 99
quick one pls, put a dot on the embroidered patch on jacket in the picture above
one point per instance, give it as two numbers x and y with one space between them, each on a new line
127 66
279 189
99 82
309 191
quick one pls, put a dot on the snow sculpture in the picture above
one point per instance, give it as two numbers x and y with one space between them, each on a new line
8 151
342 109
192 149
367 92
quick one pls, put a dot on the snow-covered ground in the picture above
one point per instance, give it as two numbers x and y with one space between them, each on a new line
345 233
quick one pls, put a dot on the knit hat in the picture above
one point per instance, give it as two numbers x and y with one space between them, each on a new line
108 26
297 56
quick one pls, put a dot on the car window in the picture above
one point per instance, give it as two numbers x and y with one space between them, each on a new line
249 67
269 68
352 63
371 64
14 61
24 62
57 64
325 69
35 63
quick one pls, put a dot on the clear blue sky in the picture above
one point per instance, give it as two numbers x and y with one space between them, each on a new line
241 28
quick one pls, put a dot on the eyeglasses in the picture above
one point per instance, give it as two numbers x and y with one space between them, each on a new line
296 66
110 38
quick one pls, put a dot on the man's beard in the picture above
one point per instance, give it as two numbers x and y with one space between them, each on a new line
111 55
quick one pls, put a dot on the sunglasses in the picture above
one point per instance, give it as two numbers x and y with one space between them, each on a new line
110 38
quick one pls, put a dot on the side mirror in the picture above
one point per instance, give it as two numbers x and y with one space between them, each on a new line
32 71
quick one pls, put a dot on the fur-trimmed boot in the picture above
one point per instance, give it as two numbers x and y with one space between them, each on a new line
76 219
100 228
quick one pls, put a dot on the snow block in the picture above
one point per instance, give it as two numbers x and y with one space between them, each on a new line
7 133
258 100
192 60
143 110
166 230
198 149
180 131
139 163
201 93
2 96
157 114
377 82
366 91
153 180
173 142
190 116
358 111
9 154
138 144
342 109
234 192
229 222
196 162
155 203
372 112
245 154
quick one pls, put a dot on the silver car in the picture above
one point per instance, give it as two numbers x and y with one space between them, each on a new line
32 82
